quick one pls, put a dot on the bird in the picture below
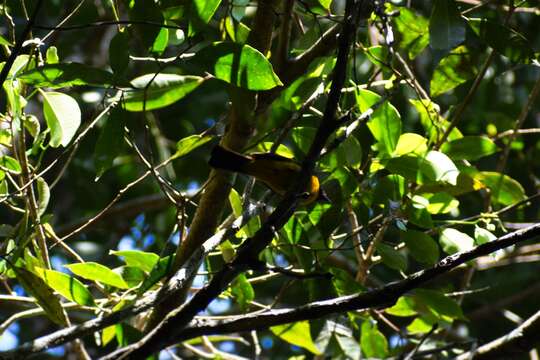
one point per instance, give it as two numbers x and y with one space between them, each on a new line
275 171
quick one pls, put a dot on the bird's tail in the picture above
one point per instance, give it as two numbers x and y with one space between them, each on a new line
222 158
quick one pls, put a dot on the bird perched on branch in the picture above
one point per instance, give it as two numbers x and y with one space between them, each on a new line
276 171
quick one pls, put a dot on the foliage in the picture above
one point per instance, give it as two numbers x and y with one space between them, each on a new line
107 122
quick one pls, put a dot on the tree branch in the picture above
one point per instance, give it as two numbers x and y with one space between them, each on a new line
509 346
381 297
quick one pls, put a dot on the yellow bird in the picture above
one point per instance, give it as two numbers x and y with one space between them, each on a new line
276 171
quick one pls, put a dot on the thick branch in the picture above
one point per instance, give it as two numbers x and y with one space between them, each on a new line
382 297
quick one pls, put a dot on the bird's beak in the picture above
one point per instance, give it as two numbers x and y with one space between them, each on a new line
323 198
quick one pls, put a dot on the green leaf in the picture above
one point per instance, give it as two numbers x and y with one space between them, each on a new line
119 52
43 294
110 141
239 65
469 148
188 144
344 283
10 164
446 27
303 137
281 149
416 212
347 153
391 257
69 287
411 167
453 241
434 167
97 272
372 341
411 143
441 203
454 69
158 91
405 306
504 40
432 122
421 325
44 195
139 259
482 236
205 9
504 189
132 275
421 246
444 169
4 41
389 188
414 31
162 269
325 3
384 123
439 303
297 334
161 41
67 74
63 117
52 55
242 291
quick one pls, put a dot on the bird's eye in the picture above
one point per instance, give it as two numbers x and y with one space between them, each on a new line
305 195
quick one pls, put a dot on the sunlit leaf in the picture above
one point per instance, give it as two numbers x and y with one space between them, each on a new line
441 203
504 189
158 91
242 291
160 270
205 9
454 69
372 341
43 294
97 272
139 259
482 236
239 65
68 286
67 74
414 31
188 144
384 123
453 241
405 306
411 143
44 195
297 334
10 164
63 117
